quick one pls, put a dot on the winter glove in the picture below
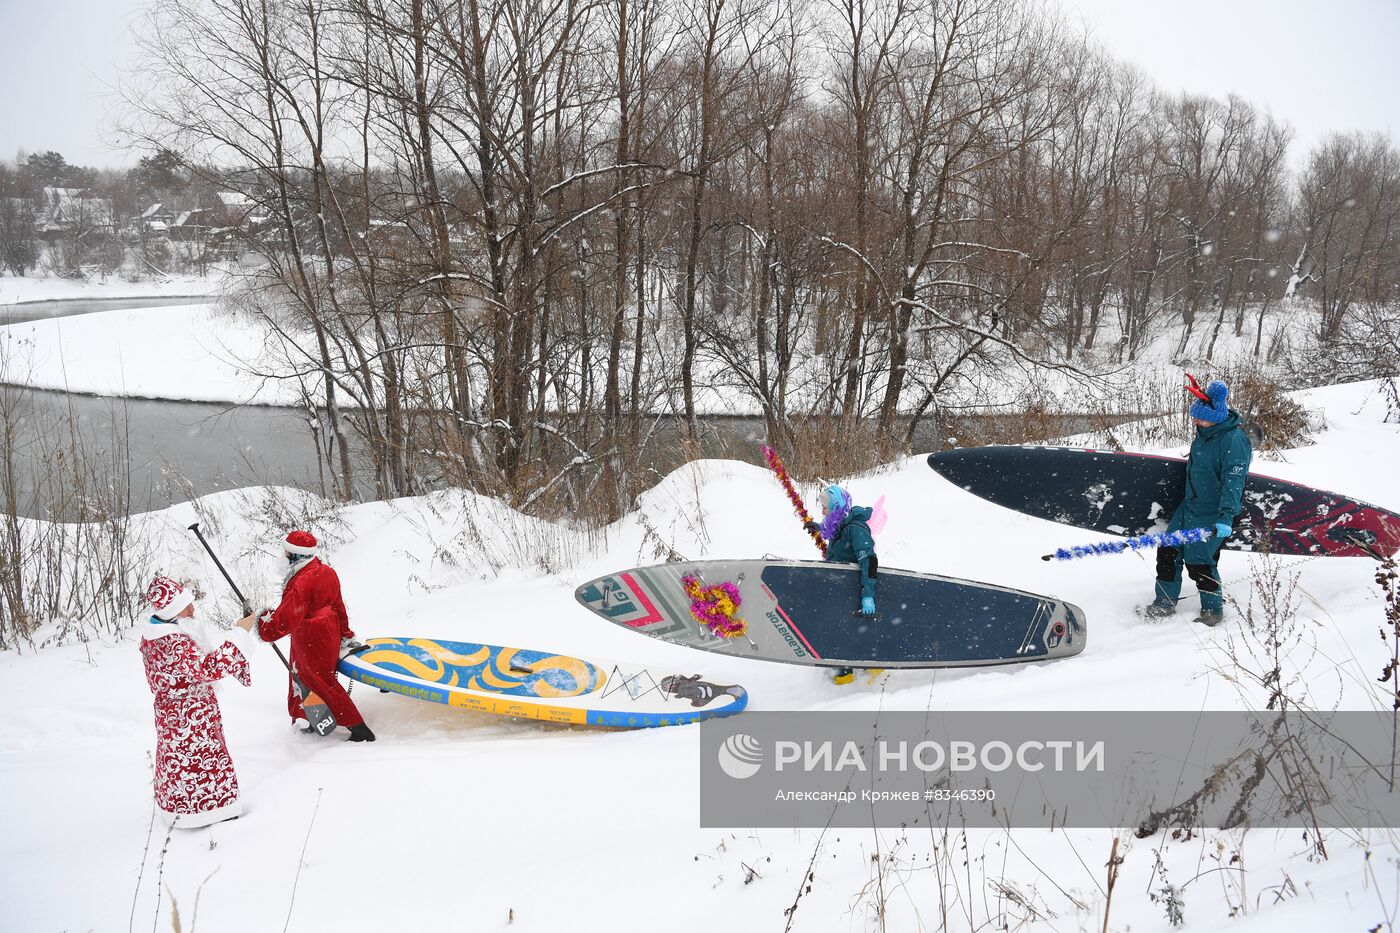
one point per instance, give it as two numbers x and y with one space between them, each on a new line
867 605
1222 530
812 528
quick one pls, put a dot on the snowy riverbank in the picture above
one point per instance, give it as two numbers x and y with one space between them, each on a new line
462 820
15 289
200 352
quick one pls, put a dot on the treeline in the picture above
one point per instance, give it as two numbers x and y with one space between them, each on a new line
57 218
513 232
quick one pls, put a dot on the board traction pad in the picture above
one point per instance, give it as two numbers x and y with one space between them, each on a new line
539 684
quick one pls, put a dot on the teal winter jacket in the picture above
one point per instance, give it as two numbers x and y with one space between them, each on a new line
1215 475
853 544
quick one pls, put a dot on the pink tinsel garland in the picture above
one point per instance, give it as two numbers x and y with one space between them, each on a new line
775 463
715 607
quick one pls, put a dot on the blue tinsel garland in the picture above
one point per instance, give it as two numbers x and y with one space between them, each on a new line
1169 539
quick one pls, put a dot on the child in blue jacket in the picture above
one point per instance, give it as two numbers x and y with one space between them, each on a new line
1216 471
845 528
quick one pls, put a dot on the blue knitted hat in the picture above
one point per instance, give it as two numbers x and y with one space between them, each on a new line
1217 411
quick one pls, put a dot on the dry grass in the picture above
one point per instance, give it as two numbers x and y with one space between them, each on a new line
1261 399
76 566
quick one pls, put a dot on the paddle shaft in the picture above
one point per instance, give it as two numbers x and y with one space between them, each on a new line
247 606
312 705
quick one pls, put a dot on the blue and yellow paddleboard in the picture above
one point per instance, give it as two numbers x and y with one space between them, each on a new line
539 684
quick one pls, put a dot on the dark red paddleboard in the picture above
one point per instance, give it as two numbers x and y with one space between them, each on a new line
1133 494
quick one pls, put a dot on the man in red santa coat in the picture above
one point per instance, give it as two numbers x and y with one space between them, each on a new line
194 781
313 613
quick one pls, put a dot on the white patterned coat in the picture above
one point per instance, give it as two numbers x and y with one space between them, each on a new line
195 784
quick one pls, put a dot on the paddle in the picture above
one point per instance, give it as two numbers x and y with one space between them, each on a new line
318 714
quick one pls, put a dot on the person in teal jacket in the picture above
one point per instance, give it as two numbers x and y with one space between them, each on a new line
845 528
1216 471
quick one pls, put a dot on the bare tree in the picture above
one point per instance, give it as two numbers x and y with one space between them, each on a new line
1349 204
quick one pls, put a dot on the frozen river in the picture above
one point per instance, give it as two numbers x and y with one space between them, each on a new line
172 450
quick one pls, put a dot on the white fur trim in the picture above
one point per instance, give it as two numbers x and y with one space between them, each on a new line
297 549
206 637
203 818
245 642
240 639
176 605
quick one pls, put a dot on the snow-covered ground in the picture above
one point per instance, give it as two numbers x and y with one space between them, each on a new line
14 289
457 820
194 352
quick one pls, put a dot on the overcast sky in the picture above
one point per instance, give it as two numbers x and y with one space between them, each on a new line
1320 64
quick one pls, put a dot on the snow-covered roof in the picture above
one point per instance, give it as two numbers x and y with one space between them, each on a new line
65 207
151 211
234 199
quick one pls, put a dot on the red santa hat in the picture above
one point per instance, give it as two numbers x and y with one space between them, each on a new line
168 597
300 542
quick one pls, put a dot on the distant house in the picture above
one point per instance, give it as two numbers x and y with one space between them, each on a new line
154 220
64 212
235 209
193 226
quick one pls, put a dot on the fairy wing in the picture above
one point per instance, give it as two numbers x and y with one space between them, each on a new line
877 517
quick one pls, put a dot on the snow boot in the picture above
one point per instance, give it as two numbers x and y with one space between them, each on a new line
1210 617
1163 605
361 733
843 676
1158 609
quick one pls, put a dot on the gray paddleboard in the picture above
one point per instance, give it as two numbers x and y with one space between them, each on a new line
802 612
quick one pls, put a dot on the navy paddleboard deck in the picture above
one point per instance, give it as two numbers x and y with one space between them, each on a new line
801 612
1133 494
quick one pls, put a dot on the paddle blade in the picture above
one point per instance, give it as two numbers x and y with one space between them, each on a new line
318 714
